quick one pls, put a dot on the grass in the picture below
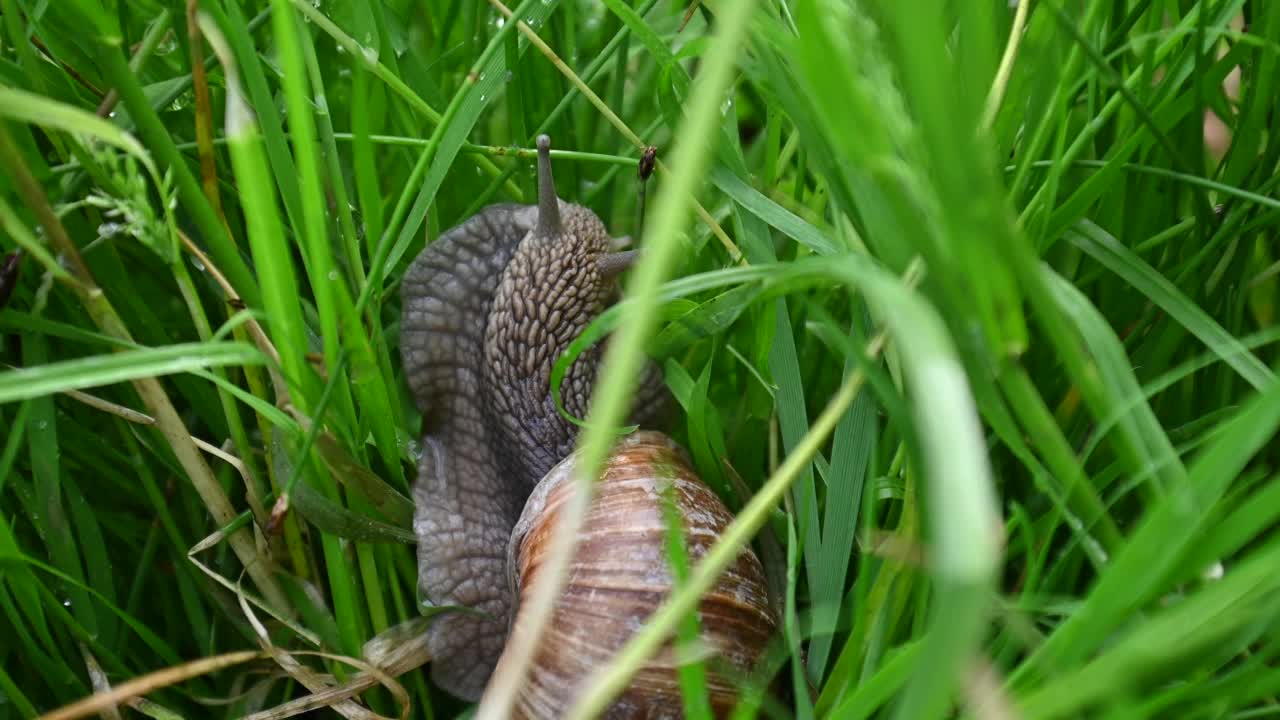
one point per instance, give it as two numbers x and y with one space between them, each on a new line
970 312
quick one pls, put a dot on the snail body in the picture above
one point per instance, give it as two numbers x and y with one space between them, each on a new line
487 309
619 575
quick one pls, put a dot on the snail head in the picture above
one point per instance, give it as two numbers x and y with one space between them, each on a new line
562 275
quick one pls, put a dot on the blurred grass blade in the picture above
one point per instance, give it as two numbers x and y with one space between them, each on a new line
122 366
880 687
35 109
266 236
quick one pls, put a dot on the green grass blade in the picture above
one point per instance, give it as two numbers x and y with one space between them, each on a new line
1104 248
123 366
1134 576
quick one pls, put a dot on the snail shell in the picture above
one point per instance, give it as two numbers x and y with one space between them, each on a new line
620 574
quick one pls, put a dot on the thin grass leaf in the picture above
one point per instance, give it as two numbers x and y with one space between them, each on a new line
123 366
35 109
1104 248
850 461
1234 611
1140 440
772 213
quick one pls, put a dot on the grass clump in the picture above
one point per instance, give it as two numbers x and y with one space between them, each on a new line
969 309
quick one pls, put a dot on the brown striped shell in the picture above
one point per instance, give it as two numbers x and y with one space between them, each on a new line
620 574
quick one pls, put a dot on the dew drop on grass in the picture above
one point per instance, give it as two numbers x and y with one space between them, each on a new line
407 445
333 275
182 101
370 54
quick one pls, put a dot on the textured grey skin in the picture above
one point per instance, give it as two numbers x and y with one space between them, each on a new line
487 309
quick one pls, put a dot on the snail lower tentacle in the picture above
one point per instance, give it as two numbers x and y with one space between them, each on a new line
488 309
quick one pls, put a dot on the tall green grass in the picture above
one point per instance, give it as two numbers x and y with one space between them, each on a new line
970 311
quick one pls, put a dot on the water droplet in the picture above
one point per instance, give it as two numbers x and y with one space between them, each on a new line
66 603
333 275
182 101
167 45
370 55
507 77
482 97
42 425
199 266
408 446
109 229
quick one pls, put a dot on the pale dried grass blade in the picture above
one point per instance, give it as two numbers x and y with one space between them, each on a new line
150 682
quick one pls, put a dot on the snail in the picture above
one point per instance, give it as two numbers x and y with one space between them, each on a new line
488 308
